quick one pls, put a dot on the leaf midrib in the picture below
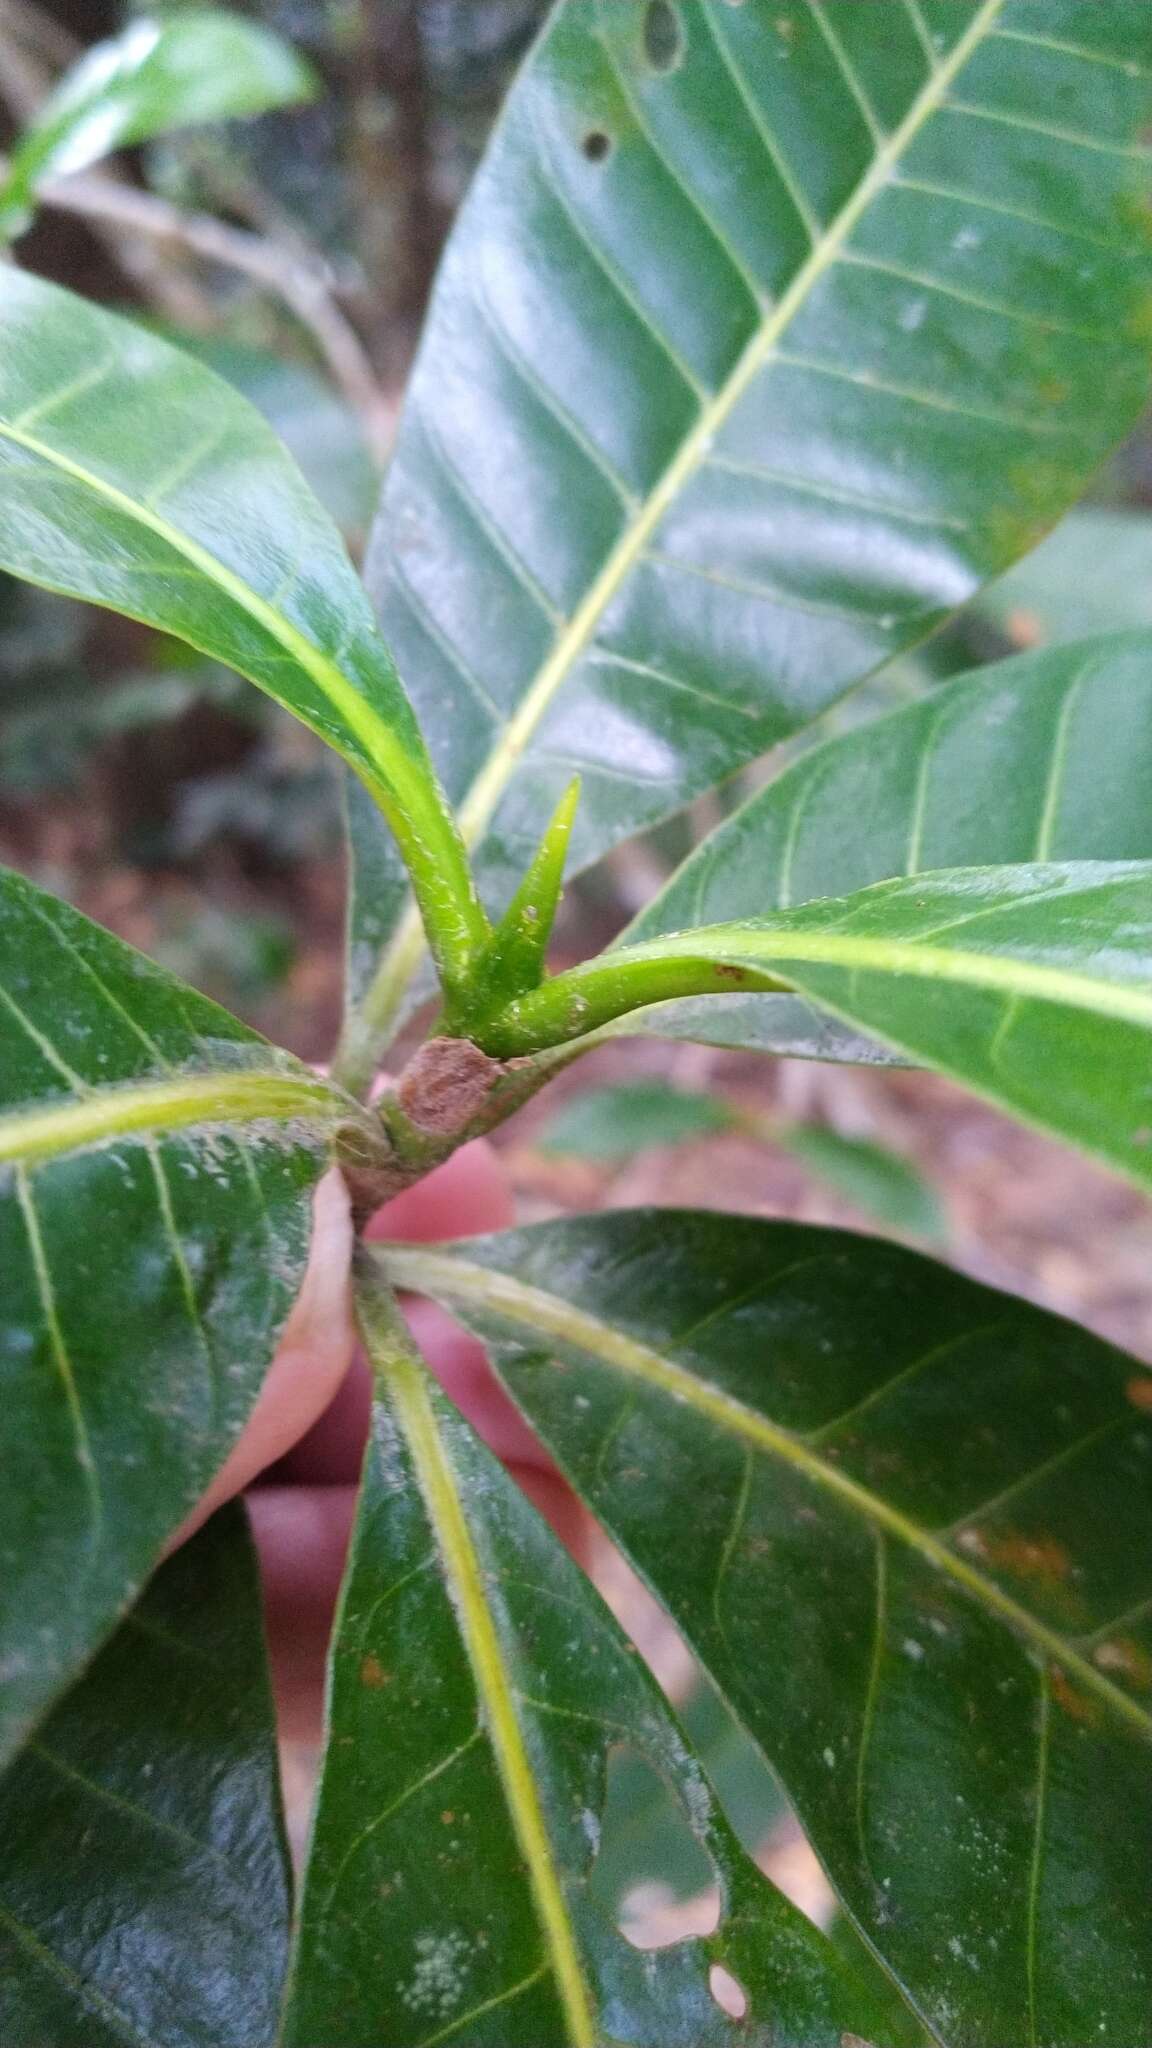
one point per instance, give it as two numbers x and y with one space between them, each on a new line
407 1386
159 1106
383 752
479 806
448 1278
921 960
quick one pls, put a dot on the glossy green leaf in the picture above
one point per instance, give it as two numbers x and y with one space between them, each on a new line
203 65
920 1569
1044 757
134 477
157 1161
1092 575
615 1122
317 426
145 1890
478 1689
872 1177
1031 985
749 361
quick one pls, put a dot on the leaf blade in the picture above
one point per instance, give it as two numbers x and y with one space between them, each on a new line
157 1168
210 534
919 1419
148 1786
1030 985
1005 766
704 657
473 1957
1044 756
202 66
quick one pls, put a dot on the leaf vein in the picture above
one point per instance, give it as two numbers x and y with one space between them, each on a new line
450 1278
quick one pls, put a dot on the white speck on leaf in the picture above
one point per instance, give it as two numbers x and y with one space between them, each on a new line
437 1983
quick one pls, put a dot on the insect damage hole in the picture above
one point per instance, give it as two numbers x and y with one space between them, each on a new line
663 35
651 1877
729 1994
597 146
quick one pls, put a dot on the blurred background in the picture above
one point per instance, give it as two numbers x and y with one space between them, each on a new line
295 252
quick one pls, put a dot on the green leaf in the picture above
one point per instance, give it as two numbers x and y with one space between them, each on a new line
1092 575
317 426
1044 757
876 1180
1032 985
134 477
615 1122
145 1889
478 1689
747 364
919 1569
157 1162
205 65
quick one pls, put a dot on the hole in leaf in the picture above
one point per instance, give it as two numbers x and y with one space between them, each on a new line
663 35
651 1876
596 146
730 1996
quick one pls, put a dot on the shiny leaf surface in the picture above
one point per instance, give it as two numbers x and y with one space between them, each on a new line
317 426
919 1569
157 1162
203 65
754 353
1031 985
134 477
1044 757
479 1687
145 1890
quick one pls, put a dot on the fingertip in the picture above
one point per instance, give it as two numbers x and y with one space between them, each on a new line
311 1361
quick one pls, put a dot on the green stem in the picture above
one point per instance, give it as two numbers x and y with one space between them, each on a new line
594 994
455 924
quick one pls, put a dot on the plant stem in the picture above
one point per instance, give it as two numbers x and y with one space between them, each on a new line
574 1004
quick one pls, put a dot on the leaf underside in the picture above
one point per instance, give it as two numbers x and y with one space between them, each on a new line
157 1162
145 1894
746 365
919 1571
479 1688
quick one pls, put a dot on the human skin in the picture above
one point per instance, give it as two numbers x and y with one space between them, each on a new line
300 1455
